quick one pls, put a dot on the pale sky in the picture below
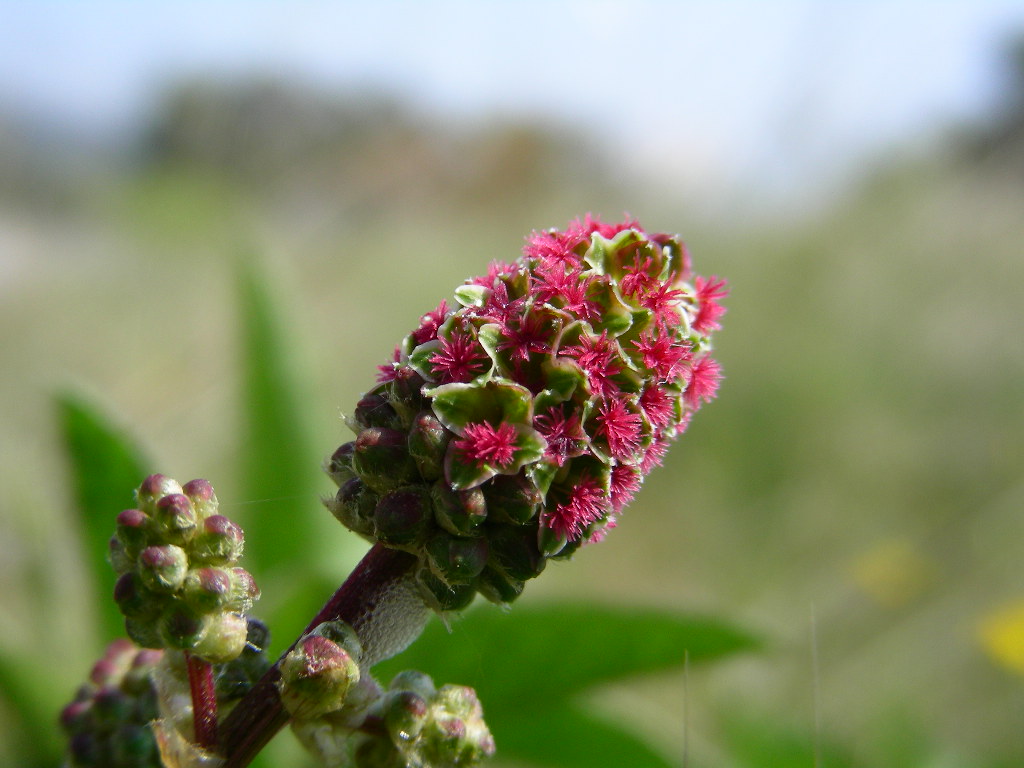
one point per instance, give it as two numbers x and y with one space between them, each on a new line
732 89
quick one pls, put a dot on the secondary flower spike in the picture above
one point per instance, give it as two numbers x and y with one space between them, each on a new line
516 425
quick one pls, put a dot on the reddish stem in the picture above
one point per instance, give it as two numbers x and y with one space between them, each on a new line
204 701
260 715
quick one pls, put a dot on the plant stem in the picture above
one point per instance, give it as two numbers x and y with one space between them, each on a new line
375 601
204 701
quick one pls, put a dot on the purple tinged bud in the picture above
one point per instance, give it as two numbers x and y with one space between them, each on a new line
340 633
86 750
499 587
153 488
76 717
459 512
207 589
244 591
316 676
402 516
219 541
145 632
133 599
163 568
110 706
515 551
202 496
175 518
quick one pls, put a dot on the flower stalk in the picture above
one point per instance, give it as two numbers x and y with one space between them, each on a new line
204 701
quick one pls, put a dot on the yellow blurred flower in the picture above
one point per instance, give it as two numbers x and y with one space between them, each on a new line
1001 634
893 573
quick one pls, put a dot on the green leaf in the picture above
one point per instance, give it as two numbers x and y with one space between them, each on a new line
105 470
31 693
564 737
541 658
279 466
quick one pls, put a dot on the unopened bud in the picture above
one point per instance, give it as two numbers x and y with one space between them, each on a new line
207 589
339 466
456 560
514 550
353 506
244 591
219 541
405 714
316 676
202 496
175 518
382 459
458 512
499 587
182 628
441 596
223 640
163 568
402 516
154 488
372 410
133 530
428 441
513 499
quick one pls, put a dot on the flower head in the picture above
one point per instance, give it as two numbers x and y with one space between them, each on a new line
528 413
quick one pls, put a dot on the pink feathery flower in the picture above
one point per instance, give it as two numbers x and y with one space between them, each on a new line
483 444
708 291
386 371
705 374
429 324
657 405
662 353
586 503
564 435
625 482
599 361
620 427
663 301
459 359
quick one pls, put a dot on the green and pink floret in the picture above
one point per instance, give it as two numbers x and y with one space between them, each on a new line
517 425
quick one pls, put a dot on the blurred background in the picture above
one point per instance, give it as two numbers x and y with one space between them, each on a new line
856 170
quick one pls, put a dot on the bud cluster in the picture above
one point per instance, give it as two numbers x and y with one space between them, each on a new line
107 723
424 726
517 426
179 586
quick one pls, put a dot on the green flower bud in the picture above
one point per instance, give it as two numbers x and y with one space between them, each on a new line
182 628
378 753
402 516
175 519
353 506
375 411
499 587
144 632
341 634
132 746
413 680
458 512
219 541
404 714
316 676
382 459
133 530
513 499
244 591
428 443
133 598
441 596
514 550
118 556
339 466
223 638
201 494
456 560
110 706
163 568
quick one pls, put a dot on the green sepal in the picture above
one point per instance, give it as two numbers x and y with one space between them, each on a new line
472 295
494 401
419 359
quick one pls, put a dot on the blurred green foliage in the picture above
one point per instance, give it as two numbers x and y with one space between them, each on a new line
862 465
